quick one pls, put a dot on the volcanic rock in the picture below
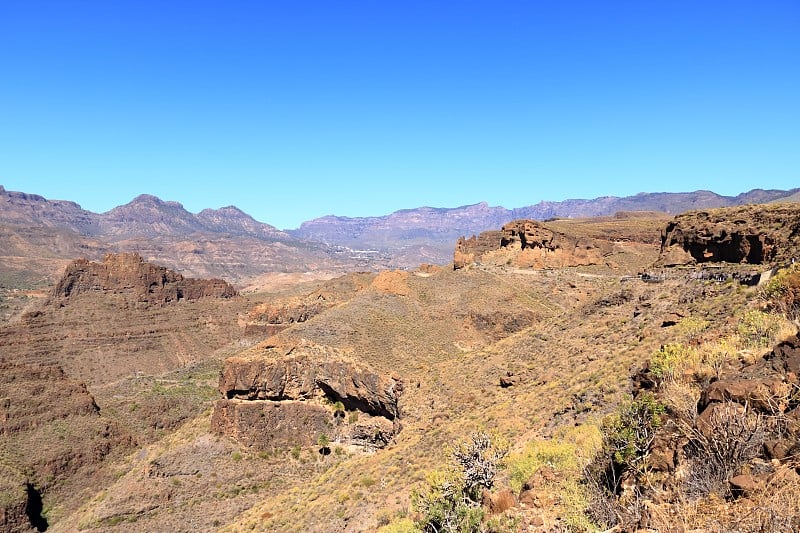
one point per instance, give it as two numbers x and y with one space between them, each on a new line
532 244
764 234
309 371
128 273
271 317
471 250
283 396
27 391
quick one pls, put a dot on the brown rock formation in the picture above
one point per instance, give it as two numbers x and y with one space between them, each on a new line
275 398
272 317
128 273
50 428
531 244
309 371
276 315
472 249
27 391
763 234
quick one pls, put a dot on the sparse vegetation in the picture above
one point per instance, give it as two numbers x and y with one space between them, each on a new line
782 292
758 329
450 501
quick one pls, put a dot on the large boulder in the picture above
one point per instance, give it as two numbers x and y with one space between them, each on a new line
279 396
309 371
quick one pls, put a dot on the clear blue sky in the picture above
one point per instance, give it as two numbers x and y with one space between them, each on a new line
292 110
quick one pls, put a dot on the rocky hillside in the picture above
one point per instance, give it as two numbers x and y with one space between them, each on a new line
526 243
346 405
39 236
561 243
427 234
759 235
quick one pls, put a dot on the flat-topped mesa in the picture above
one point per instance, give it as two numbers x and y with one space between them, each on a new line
527 243
128 273
284 397
755 234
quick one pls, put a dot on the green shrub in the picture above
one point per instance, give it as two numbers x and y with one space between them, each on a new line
692 327
450 500
758 329
628 434
537 454
783 292
399 525
667 362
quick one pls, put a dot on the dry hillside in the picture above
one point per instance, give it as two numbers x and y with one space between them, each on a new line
326 406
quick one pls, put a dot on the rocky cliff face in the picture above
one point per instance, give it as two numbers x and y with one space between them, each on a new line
766 234
128 273
282 397
531 244
50 427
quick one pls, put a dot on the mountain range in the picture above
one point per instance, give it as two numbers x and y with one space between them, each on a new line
229 243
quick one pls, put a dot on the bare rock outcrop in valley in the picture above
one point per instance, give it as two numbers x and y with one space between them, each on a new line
129 273
763 234
531 244
283 397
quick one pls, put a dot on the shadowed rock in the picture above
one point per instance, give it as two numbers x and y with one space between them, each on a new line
284 395
764 234
310 371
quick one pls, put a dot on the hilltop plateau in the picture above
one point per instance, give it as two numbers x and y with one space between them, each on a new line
330 405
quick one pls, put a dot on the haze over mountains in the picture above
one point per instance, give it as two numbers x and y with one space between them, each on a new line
229 243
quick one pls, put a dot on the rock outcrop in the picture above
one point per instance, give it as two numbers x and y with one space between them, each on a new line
26 393
283 396
271 317
128 273
530 244
763 234
471 250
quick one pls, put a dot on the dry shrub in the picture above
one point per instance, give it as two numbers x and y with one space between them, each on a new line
731 436
681 400
773 508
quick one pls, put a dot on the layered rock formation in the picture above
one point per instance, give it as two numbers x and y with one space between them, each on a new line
765 234
283 396
531 244
128 273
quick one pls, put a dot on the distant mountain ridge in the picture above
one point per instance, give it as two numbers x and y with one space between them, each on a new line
38 236
231 244
436 229
145 215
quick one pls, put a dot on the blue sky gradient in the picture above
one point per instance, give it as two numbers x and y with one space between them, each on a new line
292 110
